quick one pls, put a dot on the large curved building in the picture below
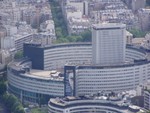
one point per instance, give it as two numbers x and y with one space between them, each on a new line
28 85
81 75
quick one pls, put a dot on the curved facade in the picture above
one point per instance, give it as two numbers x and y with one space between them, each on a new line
134 53
77 58
30 85
56 56
91 79
90 106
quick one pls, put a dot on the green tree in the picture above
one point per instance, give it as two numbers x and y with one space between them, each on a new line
58 18
86 36
5 98
61 26
19 109
3 88
137 33
10 101
15 105
59 32
61 40
74 38
18 55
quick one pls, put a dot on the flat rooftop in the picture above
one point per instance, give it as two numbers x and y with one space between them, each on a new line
44 73
20 65
108 25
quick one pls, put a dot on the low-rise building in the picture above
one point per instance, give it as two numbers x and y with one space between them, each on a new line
129 37
144 19
98 103
138 41
48 27
20 39
76 22
146 89
147 99
6 56
78 25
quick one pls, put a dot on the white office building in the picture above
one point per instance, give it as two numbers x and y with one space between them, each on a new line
108 43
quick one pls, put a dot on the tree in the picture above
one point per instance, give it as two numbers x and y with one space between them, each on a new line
15 105
10 101
19 109
5 97
74 38
18 55
58 18
137 33
61 40
59 32
42 19
86 36
3 88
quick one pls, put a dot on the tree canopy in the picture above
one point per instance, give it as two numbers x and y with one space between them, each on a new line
11 102
83 37
3 87
18 55
59 21
137 33
61 26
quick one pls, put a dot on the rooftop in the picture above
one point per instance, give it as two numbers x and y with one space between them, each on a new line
108 25
42 73
23 66
120 101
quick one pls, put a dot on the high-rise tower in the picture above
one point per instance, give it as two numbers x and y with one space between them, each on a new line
108 43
